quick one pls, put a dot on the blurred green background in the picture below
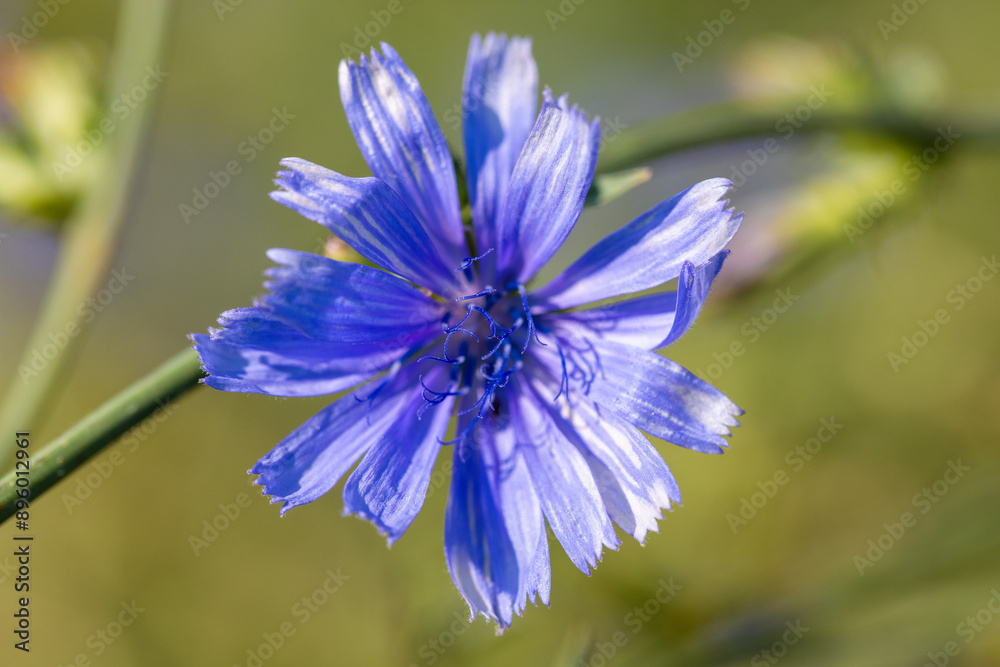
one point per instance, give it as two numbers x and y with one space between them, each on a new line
740 582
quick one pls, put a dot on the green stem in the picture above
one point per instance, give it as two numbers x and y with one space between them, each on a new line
638 145
90 234
735 120
102 427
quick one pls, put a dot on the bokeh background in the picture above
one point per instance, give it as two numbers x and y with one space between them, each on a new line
739 582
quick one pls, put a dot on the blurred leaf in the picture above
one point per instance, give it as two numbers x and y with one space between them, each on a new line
609 187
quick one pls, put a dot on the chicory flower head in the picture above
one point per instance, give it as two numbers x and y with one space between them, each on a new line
549 398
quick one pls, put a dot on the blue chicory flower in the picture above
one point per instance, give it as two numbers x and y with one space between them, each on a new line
549 398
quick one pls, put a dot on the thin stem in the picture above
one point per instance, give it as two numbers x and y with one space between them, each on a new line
90 234
735 120
102 427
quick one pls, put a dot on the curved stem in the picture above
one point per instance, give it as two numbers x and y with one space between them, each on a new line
735 120
90 234
102 427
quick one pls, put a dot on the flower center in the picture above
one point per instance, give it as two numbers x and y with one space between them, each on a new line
486 336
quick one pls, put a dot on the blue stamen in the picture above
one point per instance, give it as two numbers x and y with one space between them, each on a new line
504 357
489 290
467 263
564 380
531 322
494 325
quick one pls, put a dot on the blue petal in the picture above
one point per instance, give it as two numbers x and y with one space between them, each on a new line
662 398
403 144
348 303
692 226
641 322
311 460
369 217
547 189
495 539
565 485
634 481
499 101
254 352
389 485
480 556
692 289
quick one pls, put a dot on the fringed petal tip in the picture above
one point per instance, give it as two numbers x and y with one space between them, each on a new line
720 443
201 344
376 54
735 219
561 103
505 618
715 444
499 41
718 188
271 498
296 170
364 515
196 340
673 502
549 100
729 417
298 165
